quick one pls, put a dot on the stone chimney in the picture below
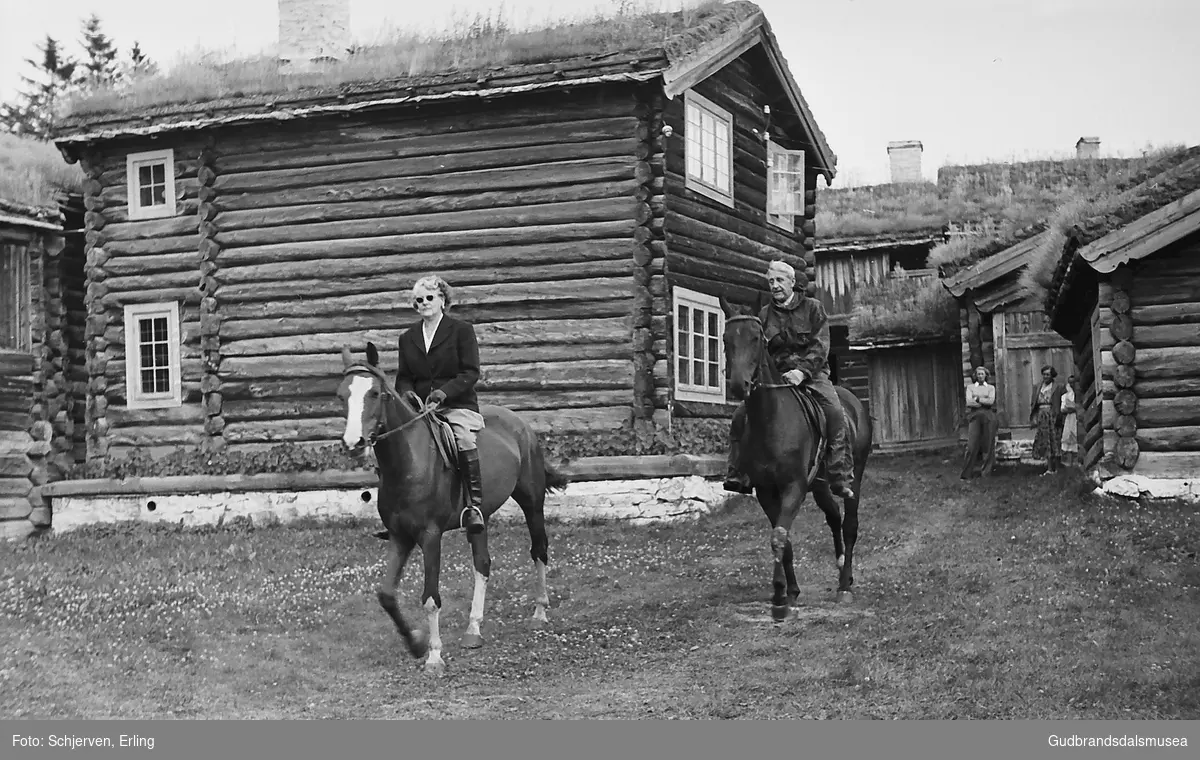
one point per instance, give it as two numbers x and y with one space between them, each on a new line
905 156
1087 147
312 32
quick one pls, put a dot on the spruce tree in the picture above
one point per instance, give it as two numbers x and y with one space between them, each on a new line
37 108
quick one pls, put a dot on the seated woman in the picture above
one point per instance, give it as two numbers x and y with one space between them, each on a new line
439 362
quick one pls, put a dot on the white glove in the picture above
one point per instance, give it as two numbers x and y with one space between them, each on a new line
795 376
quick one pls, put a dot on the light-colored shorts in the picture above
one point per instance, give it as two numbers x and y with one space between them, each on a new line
465 424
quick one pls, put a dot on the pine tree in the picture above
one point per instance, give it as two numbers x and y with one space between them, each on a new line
139 64
37 109
101 68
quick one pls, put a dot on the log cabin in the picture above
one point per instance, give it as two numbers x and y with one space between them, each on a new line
589 212
1125 291
1004 326
42 380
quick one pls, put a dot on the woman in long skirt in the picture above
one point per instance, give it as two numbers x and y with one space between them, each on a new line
1070 421
1045 416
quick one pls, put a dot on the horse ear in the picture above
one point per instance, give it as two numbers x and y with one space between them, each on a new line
730 309
372 354
347 357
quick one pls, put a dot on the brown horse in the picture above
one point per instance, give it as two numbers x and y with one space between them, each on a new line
780 449
421 496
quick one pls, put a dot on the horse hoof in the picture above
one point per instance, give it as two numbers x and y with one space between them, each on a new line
845 597
780 612
418 644
435 668
472 641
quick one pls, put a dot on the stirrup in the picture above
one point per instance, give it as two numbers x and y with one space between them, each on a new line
472 527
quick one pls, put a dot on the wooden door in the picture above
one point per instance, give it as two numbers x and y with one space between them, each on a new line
1024 344
916 393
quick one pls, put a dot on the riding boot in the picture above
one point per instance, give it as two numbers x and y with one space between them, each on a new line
736 480
838 466
472 517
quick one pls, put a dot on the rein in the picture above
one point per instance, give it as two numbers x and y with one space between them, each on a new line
393 393
763 356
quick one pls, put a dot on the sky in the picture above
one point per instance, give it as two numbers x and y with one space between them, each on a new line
974 80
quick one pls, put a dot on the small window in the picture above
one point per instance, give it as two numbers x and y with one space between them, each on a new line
151 184
152 355
15 299
699 355
785 186
708 148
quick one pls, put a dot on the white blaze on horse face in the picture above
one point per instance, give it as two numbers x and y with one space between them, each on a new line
355 403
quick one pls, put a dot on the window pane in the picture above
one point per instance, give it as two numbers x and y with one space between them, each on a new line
698 321
712 325
161 358
147 380
160 328
160 196
145 176
713 381
698 367
162 381
698 348
159 172
681 337
146 196
713 353
146 353
683 370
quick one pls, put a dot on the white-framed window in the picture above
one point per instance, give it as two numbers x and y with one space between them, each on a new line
699 353
152 378
151 177
785 186
708 148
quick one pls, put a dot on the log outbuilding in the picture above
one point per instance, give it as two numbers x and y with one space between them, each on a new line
1126 292
589 211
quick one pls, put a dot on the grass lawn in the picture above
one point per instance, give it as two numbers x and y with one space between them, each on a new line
1018 597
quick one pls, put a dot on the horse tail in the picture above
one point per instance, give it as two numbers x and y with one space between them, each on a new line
556 479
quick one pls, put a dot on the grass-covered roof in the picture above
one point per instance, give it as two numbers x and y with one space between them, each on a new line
482 52
33 177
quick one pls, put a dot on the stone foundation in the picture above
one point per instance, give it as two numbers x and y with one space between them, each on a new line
634 502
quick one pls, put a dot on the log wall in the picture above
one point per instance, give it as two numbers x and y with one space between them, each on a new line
135 262
37 402
710 247
535 211
1155 339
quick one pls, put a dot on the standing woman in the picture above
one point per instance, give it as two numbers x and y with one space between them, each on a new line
439 362
1070 421
981 426
1045 415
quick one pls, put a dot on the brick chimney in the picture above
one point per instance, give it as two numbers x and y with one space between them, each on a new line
1087 147
905 156
312 32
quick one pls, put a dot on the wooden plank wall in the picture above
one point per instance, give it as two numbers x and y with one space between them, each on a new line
528 210
1164 312
916 392
134 262
839 275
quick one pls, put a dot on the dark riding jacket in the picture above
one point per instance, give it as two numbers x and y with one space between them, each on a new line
797 335
452 363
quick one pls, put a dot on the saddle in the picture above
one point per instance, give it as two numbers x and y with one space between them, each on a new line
444 440
812 412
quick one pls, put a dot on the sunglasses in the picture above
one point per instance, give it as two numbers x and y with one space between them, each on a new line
426 299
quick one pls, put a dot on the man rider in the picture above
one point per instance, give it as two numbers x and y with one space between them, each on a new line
797 332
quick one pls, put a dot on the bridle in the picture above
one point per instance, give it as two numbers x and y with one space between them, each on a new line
376 436
763 356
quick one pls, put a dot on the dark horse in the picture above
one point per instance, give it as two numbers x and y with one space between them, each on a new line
421 496
779 452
